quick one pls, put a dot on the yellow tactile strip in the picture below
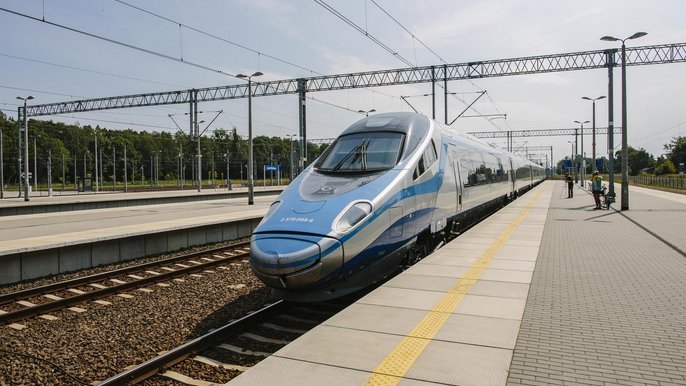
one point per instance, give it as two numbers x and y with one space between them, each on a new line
391 370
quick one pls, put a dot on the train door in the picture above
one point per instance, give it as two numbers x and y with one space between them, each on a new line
458 183
511 172
410 208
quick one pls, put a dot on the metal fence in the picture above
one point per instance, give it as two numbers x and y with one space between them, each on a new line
676 182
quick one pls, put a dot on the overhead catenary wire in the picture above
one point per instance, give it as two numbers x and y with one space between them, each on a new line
364 32
116 42
92 71
408 31
238 45
180 60
217 37
415 38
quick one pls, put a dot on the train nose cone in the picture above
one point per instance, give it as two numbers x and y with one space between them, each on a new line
305 207
281 256
295 261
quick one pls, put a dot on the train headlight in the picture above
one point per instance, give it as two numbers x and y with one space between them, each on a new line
353 216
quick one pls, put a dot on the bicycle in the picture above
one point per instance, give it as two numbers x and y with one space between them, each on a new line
608 198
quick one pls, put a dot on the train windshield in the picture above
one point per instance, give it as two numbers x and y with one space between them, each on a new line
363 152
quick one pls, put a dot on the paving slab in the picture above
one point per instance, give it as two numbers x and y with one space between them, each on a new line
607 303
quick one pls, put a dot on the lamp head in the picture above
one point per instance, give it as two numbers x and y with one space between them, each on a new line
637 35
257 74
600 97
609 38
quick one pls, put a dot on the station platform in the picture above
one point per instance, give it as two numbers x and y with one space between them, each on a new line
546 291
37 245
61 201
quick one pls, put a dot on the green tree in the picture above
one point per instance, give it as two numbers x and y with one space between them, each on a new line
638 159
676 150
664 166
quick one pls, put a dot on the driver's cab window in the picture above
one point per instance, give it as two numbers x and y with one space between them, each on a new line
428 158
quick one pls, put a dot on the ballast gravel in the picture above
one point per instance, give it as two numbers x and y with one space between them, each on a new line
84 348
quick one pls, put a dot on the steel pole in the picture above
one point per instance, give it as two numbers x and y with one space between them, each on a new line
583 159
197 133
593 145
19 165
126 182
114 168
50 173
251 198
95 159
35 166
625 151
610 122
291 160
26 156
2 168
576 147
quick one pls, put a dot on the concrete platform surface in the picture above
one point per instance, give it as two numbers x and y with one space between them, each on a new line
546 291
12 205
36 245
453 318
39 231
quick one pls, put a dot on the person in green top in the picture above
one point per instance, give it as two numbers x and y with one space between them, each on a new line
596 188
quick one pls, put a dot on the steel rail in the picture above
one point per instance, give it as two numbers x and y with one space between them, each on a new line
153 366
62 285
40 309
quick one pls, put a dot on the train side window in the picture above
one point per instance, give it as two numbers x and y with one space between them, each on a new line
428 158
473 168
430 154
419 170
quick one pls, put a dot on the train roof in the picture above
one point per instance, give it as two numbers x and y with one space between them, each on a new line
414 126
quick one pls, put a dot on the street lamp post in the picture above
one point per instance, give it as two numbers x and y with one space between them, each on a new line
290 138
35 165
583 158
26 150
199 155
366 112
593 100
228 171
625 152
251 194
571 156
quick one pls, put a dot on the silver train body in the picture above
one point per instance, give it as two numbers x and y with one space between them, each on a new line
390 189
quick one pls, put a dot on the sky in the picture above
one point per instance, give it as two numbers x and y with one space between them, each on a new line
288 39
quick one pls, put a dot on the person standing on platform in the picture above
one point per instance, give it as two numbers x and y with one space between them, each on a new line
596 188
570 186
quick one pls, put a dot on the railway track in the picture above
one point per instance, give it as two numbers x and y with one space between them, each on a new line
40 301
235 347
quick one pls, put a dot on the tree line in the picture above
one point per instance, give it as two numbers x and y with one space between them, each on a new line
150 156
642 162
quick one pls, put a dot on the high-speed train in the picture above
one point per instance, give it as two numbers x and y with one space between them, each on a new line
389 190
